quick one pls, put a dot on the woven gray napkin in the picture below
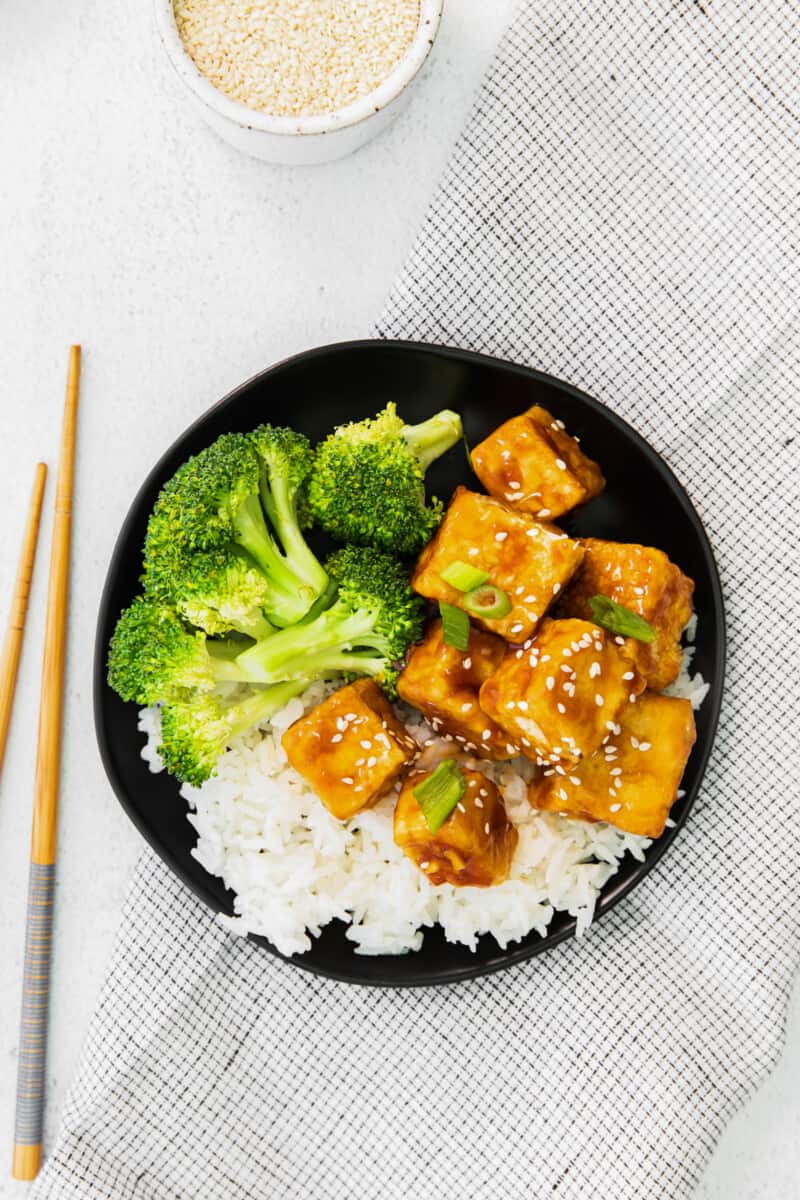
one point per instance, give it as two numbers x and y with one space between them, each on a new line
621 211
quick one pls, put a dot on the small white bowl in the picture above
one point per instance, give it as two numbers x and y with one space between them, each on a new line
301 140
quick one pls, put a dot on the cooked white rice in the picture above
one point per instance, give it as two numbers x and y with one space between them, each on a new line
294 867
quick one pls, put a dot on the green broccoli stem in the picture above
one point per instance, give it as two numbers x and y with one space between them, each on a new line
257 628
244 714
279 501
335 630
291 596
333 662
431 438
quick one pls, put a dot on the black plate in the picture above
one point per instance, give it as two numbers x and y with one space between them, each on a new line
643 502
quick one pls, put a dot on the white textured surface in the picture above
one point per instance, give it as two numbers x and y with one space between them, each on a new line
183 268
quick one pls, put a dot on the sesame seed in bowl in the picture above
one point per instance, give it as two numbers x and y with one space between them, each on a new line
298 81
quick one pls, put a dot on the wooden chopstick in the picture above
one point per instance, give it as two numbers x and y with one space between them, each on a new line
15 630
38 933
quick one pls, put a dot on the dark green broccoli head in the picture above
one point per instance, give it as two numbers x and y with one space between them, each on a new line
286 454
196 729
153 655
200 506
213 505
194 733
368 482
371 581
218 590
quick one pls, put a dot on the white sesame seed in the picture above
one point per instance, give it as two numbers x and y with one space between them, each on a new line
632 697
337 737
574 779
487 733
620 641
550 683
467 707
562 466
461 808
561 708
366 744
473 550
478 802
644 746
466 663
543 512
487 828
556 588
562 795
289 60
514 485
424 865
598 699
616 771
614 807
522 705
371 760
501 536
628 675
517 627
347 779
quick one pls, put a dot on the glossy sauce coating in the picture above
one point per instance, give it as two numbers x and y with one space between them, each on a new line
350 749
531 561
633 780
475 845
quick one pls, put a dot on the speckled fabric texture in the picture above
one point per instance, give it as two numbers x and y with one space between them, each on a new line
621 211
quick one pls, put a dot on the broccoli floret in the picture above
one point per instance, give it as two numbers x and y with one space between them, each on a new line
195 731
366 631
154 656
286 460
212 505
367 486
218 590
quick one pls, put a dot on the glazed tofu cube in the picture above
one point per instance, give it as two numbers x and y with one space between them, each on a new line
645 581
533 464
633 780
561 695
475 845
443 683
530 561
350 749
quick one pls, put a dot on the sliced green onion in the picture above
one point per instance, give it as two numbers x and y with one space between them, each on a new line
463 576
438 795
455 626
616 618
488 601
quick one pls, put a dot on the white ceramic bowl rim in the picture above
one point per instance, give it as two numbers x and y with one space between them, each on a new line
430 14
